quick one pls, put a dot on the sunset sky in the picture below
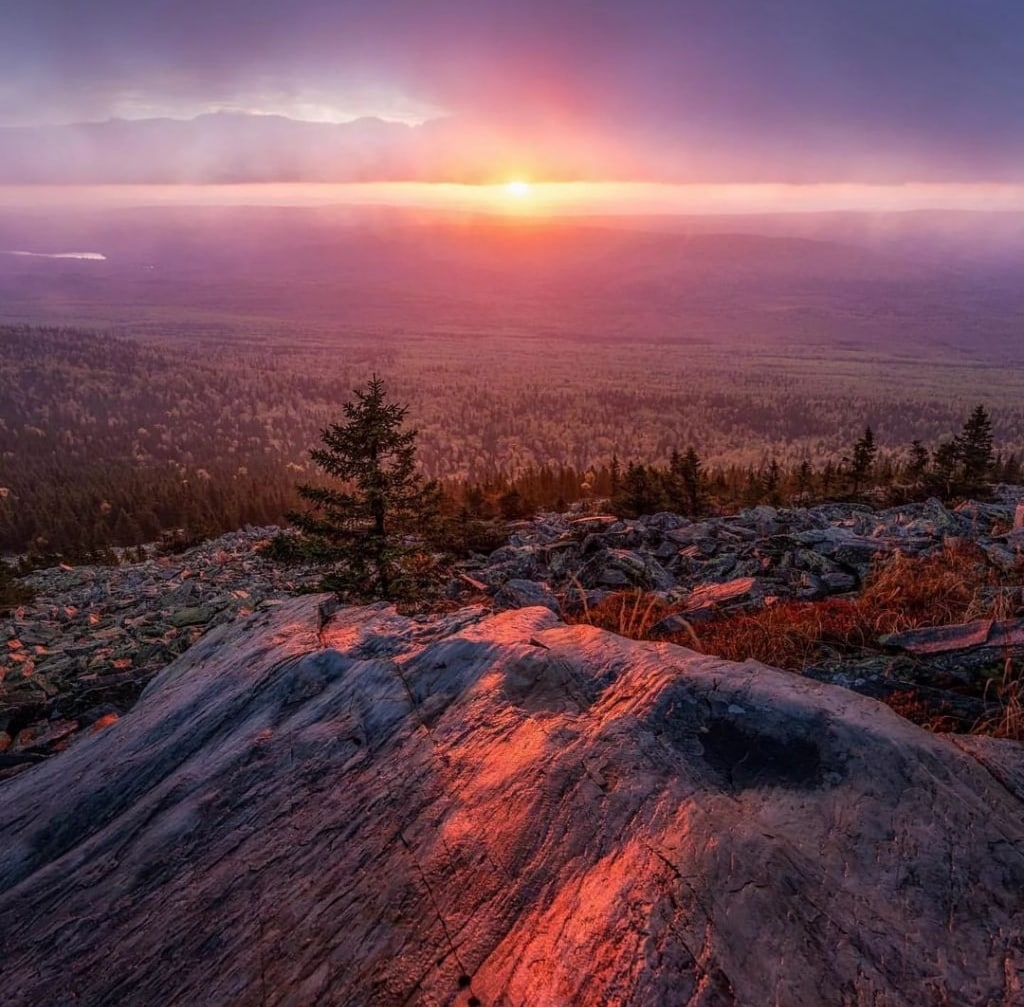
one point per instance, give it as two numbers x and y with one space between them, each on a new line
719 91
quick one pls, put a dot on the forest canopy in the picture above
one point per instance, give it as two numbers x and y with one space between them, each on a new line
114 440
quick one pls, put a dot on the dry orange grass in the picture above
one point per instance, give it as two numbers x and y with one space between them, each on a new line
953 585
1009 694
628 613
790 635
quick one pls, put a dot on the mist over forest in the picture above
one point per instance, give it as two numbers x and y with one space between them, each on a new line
206 349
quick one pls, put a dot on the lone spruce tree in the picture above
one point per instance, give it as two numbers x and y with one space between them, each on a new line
864 452
367 527
976 454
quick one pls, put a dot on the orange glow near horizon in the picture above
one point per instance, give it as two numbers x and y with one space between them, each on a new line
537 199
518 188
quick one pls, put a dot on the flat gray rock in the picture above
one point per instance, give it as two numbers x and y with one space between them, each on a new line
991 633
366 809
525 594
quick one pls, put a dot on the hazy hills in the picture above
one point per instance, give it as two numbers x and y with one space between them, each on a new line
408 270
973 238
221 147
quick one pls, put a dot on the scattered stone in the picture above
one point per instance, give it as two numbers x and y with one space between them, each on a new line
836 543
622 568
672 625
44 737
1006 559
838 582
197 616
999 634
94 636
525 594
592 523
712 598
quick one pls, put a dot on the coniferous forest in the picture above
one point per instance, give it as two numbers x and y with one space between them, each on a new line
118 440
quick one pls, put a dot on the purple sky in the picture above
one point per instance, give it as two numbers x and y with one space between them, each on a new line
709 90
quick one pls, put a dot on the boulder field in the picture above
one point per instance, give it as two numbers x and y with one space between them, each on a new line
79 654
353 807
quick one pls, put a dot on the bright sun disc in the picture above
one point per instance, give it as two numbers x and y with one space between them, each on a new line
517 188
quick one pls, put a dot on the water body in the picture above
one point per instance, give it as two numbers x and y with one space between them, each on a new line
92 256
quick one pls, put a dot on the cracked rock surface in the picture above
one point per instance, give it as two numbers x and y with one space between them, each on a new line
359 808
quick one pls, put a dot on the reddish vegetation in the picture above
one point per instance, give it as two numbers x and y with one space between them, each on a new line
954 585
791 635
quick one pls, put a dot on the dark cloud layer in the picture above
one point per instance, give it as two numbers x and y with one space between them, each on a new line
798 90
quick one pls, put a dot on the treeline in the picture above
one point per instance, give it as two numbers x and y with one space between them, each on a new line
100 507
103 506
109 441
962 465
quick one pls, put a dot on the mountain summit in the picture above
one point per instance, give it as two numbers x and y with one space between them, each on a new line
355 807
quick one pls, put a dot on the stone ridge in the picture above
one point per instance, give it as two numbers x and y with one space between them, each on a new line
79 655
742 559
357 808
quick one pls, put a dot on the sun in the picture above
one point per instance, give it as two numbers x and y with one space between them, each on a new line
518 188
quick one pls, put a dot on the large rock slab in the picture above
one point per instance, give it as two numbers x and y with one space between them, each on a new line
367 809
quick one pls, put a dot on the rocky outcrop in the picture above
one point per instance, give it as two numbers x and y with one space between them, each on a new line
361 808
77 657
801 553
730 564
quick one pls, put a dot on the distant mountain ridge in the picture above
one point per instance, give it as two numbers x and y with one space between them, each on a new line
390 267
220 147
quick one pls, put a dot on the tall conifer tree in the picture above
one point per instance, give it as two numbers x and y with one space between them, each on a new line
364 525
975 443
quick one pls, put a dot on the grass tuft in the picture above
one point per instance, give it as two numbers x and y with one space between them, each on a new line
953 585
1008 694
